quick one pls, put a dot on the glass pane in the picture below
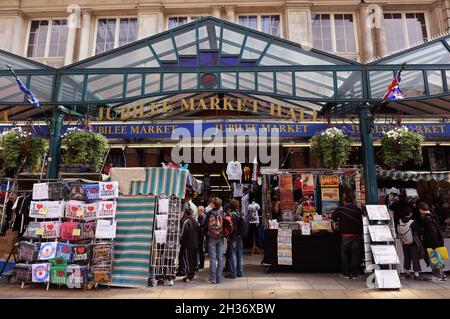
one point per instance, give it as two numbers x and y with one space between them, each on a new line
249 22
228 80
71 88
246 81
16 63
415 24
265 82
134 84
127 30
38 38
271 25
287 55
284 83
140 56
170 82
345 35
314 84
231 42
152 83
105 86
106 30
58 38
379 81
321 32
188 81
395 33
185 42
435 81
253 48
448 79
165 50
176 21
432 54
349 84
207 38
9 91
41 86
412 83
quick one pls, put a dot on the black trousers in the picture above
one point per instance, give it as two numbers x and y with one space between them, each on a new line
411 254
191 256
254 234
350 247
201 251
182 262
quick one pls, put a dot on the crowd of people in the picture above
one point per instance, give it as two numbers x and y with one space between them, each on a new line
417 227
217 229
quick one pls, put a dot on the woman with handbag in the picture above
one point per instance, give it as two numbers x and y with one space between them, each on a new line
432 239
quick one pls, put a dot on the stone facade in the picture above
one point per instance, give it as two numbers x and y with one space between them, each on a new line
152 16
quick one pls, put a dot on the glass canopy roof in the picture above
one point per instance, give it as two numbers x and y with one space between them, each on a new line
211 56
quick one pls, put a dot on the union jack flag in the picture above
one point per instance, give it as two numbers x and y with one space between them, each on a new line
393 91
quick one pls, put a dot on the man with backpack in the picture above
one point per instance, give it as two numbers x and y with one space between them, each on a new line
213 229
349 218
432 238
409 233
236 234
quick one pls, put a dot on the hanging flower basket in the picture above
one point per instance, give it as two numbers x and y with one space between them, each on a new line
18 145
85 148
332 147
399 145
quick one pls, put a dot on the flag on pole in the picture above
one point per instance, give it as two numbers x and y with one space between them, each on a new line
31 98
393 91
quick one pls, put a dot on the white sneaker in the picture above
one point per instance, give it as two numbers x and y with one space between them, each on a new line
436 279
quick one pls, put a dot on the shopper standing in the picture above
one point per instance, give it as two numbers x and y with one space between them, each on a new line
236 256
189 244
201 237
432 237
410 233
349 218
213 229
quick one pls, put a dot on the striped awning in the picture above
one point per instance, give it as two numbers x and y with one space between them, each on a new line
133 243
414 176
157 181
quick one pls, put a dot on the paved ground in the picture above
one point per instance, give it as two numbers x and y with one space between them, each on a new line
256 284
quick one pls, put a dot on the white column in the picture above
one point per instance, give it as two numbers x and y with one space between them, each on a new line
18 35
367 24
231 13
447 15
298 25
73 23
86 22
216 12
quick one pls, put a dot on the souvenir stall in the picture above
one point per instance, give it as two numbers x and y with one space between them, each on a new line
299 232
66 234
148 217
412 187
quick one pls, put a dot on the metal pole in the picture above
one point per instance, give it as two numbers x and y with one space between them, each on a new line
54 153
370 176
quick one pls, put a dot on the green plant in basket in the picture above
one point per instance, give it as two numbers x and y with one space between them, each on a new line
332 147
21 150
85 148
399 145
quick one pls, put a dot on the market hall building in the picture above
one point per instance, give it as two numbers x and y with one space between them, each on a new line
233 68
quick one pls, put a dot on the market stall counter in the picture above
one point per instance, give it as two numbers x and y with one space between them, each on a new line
316 252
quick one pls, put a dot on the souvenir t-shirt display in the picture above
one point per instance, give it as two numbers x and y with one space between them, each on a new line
253 210
234 171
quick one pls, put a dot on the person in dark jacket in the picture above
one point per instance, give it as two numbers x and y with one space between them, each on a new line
432 237
201 237
349 218
236 256
413 252
400 208
189 244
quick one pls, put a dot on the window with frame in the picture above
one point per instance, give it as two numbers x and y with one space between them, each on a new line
334 32
270 24
174 22
114 32
47 41
404 29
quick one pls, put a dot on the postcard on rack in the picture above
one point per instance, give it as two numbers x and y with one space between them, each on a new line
387 279
377 212
380 233
329 181
385 254
330 194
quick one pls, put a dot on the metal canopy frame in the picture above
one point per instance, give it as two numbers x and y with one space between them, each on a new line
238 61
